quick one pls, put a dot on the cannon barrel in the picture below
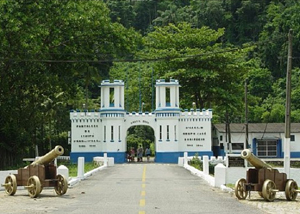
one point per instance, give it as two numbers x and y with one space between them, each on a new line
255 161
50 156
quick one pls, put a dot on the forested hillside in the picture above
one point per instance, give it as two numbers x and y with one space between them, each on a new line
54 55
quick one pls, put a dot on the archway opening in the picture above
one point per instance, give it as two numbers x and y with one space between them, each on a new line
140 141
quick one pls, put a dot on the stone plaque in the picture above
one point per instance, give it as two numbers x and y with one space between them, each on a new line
235 161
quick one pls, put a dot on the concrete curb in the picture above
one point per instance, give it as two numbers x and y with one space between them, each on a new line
75 180
208 178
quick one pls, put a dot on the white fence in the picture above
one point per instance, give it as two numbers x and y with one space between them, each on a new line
101 162
225 175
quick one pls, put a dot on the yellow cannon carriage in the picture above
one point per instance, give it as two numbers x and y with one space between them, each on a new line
39 174
264 179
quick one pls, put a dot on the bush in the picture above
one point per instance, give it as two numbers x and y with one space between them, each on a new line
211 169
196 162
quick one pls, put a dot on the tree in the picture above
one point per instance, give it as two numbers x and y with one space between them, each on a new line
46 46
122 12
212 73
210 13
273 38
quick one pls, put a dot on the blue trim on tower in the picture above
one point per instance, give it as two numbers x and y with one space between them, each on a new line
119 157
112 109
167 109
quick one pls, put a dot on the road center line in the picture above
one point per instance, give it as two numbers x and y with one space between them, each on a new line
143 192
142 202
144 174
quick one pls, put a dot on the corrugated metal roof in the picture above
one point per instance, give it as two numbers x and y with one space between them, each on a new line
258 127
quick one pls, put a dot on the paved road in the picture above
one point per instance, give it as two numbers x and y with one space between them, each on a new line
131 189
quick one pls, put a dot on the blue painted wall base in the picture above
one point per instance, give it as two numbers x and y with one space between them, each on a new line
120 157
172 157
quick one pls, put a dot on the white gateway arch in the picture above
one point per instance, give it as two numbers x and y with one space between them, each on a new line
94 133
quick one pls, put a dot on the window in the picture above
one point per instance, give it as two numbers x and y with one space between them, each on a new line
119 133
175 133
111 97
160 132
292 137
221 137
168 133
104 134
266 148
168 104
112 134
237 146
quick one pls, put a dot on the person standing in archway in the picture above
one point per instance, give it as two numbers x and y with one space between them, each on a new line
132 152
140 153
147 153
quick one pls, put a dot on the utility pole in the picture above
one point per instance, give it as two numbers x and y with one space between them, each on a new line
246 145
228 134
287 146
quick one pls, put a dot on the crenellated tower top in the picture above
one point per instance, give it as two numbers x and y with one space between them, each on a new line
112 95
167 95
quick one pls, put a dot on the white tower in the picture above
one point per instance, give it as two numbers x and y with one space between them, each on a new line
167 95
112 95
167 113
112 115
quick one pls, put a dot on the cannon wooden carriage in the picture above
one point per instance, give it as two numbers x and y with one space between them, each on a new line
264 179
39 174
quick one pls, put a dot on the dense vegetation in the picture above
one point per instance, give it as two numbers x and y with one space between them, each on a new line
55 53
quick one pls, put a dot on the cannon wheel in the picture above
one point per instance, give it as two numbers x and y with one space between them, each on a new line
267 190
290 190
240 189
62 185
34 186
10 184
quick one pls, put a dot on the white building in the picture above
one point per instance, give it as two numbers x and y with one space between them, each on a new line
104 131
266 140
